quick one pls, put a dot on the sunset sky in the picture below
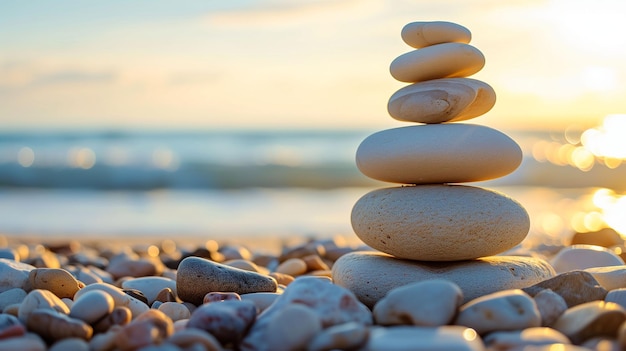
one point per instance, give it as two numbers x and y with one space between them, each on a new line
294 64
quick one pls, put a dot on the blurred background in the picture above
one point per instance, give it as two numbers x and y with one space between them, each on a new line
242 118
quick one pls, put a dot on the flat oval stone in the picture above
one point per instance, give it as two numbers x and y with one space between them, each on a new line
611 277
579 257
445 60
92 306
422 34
13 274
371 275
57 280
439 222
503 310
438 153
121 299
442 100
402 338
198 276
428 303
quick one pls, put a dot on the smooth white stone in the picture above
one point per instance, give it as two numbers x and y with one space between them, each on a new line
438 153
176 311
617 296
445 60
443 338
292 328
11 296
119 297
428 303
150 286
92 306
611 277
422 34
40 299
333 304
13 274
580 257
505 340
439 222
503 310
442 100
347 336
261 300
550 305
371 275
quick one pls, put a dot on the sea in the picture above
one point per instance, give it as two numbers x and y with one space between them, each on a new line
224 184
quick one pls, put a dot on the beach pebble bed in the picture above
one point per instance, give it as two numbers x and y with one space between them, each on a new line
194 299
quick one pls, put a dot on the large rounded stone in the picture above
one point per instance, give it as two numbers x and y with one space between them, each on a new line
442 100
438 153
371 275
422 34
437 61
198 276
439 222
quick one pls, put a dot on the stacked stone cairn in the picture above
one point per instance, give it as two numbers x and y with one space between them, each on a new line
430 226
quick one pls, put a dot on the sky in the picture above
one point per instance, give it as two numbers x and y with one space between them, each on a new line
117 64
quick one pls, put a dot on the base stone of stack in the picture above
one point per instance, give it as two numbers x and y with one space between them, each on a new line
439 222
370 275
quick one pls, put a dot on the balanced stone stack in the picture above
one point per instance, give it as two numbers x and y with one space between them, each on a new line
430 226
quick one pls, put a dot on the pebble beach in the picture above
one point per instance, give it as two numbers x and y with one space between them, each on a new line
436 263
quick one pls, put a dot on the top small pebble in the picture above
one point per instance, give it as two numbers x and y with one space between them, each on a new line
422 34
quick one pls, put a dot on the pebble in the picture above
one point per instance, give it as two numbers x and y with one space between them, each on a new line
13 274
188 338
165 295
73 344
502 310
370 275
129 267
220 296
574 287
11 296
579 257
228 321
175 311
92 306
10 326
439 222
591 319
118 317
403 338
57 280
293 267
426 303
444 60
119 297
606 237
438 153
292 328
39 300
422 34
197 276
53 326
151 327
10 254
315 263
346 336
261 300
150 286
550 305
617 296
23 343
442 100
505 340
332 304
611 277
281 278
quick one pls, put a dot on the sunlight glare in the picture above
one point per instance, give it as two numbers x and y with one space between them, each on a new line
607 140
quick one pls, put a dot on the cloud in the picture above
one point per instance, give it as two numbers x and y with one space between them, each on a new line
22 74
